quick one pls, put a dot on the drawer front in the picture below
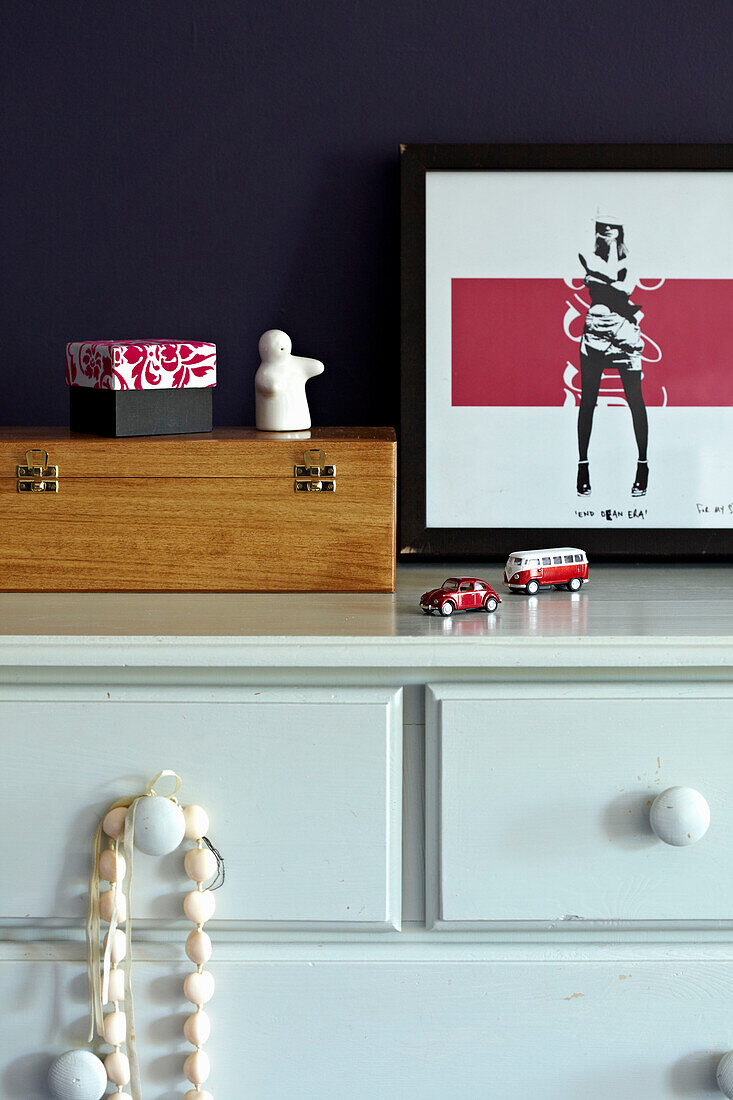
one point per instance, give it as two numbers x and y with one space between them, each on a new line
538 803
304 1030
303 789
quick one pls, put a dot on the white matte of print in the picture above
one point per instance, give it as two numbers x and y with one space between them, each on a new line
578 367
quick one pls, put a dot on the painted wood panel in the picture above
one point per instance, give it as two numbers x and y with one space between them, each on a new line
308 1030
303 787
538 802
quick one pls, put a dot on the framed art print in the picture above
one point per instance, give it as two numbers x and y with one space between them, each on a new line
567 350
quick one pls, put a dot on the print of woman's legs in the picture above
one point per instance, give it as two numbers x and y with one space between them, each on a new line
631 380
591 370
635 399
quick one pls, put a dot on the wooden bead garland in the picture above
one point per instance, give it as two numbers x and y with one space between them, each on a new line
157 825
201 865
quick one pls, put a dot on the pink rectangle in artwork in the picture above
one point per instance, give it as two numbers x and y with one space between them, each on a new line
141 364
516 341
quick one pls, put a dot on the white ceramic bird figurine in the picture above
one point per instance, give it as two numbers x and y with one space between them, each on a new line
280 401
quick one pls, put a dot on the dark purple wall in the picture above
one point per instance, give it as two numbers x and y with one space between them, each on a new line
213 168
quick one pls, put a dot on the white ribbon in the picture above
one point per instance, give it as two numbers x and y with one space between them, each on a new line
135 1086
150 789
94 959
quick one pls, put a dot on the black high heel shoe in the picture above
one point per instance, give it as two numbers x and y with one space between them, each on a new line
583 485
638 489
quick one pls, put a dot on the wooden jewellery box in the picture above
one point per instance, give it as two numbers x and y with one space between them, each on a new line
236 510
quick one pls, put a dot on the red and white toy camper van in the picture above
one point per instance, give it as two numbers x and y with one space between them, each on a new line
561 566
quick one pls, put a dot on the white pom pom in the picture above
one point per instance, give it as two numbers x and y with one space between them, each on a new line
116 986
118 1067
197 1067
77 1075
114 822
200 864
197 822
198 987
197 1028
198 947
112 865
159 825
119 946
106 906
115 1028
199 906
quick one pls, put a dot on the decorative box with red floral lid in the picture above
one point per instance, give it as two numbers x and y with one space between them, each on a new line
140 387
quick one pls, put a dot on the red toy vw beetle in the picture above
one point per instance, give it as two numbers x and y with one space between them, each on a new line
460 594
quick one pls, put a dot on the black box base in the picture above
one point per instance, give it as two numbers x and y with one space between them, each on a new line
121 413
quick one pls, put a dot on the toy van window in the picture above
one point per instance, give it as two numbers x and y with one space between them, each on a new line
568 559
534 563
450 585
557 560
546 561
578 557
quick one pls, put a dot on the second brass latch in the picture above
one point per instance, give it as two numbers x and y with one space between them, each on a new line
315 475
36 476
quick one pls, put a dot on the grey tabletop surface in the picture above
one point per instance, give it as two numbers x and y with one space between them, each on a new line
620 601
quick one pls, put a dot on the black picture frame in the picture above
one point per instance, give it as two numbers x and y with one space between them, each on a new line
417 542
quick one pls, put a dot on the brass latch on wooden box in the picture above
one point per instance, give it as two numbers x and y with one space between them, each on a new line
315 476
37 476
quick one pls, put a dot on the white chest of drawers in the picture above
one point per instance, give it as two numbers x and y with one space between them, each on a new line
441 884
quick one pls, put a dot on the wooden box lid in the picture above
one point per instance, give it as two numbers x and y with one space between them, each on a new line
225 452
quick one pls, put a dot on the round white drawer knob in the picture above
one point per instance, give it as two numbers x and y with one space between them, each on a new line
680 816
725 1074
77 1075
